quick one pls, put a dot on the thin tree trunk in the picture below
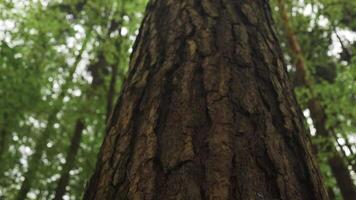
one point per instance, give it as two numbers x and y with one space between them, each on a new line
348 146
35 159
336 162
40 146
63 181
3 140
346 52
111 93
317 112
350 158
206 111
4 143
114 67
331 193
70 160
96 70
3 137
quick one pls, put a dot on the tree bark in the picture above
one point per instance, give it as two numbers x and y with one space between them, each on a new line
336 162
206 112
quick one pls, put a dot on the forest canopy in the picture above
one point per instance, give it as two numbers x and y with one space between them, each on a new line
63 64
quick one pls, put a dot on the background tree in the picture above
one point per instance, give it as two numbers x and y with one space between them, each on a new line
51 35
322 69
317 111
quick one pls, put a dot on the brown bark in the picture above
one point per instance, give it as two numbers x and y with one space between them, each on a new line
206 111
317 112
70 160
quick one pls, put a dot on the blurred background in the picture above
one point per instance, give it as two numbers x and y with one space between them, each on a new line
63 62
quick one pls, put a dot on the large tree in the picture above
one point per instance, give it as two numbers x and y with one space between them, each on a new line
206 111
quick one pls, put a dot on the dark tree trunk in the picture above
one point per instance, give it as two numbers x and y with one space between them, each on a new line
97 70
4 143
111 92
35 159
3 137
342 177
206 111
70 160
336 162
41 142
4 147
331 193
75 143
3 140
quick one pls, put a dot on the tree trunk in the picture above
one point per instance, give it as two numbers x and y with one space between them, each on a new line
35 159
3 136
111 92
4 144
342 176
336 162
40 146
96 70
206 111
78 131
70 160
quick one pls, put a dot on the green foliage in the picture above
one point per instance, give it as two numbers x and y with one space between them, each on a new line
41 44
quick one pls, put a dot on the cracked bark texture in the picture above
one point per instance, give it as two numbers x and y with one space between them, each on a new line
206 111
